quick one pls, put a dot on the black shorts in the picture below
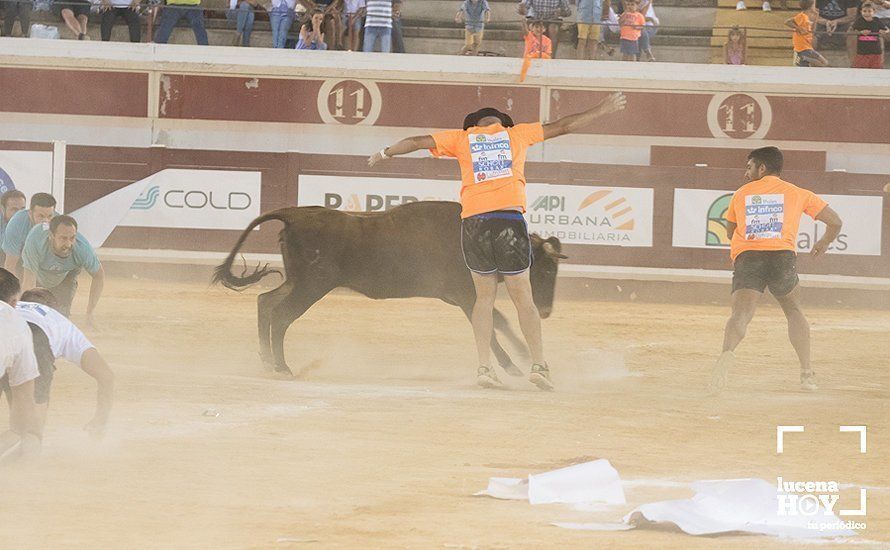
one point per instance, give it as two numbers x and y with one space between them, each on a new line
496 242
45 366
759 269
77 7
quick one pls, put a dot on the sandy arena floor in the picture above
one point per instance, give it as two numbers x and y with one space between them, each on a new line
384 438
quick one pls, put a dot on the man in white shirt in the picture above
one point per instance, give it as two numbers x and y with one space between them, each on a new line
18 369
54 337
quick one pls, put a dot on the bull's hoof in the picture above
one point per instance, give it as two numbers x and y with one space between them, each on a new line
511 369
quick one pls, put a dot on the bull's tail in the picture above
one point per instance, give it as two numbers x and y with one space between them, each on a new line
223 273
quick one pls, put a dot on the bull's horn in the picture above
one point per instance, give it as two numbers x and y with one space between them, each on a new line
552 252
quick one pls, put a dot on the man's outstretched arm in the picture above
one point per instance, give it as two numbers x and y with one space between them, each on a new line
407 145
834 224
572 123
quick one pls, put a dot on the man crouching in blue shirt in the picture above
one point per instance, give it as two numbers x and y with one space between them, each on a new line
54 257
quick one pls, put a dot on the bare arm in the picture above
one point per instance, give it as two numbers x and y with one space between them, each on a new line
11 263
407 145
572 123
22 411
93 364
96 286
834 223
730 229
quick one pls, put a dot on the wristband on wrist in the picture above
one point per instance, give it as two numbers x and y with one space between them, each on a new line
383 154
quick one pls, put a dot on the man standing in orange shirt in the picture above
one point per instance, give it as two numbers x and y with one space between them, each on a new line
491 151
763 219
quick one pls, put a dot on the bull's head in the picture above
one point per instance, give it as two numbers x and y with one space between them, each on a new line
545 264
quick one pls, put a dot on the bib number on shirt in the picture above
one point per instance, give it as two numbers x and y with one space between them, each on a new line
764 216
491 155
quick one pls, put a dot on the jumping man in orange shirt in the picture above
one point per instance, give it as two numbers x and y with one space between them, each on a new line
763 219
491 151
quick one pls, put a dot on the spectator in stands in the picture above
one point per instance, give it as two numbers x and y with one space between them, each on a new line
590 14
54 257
870 41
42 210
802 40
398 41
882 11
632 22
333 17
836 16
474 14
129 10
378 26
735 51
649 30
741 6
312 32
550 11
76 15
20 9
241 12
281 18
176 10
537 44
353 21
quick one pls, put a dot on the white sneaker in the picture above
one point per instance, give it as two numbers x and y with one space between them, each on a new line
487 378
720 372
741 6
767 7
808 381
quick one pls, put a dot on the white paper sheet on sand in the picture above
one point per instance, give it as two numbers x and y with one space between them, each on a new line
595 481
722 506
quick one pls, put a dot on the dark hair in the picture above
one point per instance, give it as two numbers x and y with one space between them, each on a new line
770 157
535 22
44 200
473 119
806 4
307 19
9 286
11 194
867 4
40 295
61 220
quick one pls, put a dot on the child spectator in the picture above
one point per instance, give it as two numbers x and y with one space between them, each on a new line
802 40
17 8
378 26
281 17
76 15
590 14
353 20
537 46
312 32
735 51
550 12
869 43
631 22
474 14
129 10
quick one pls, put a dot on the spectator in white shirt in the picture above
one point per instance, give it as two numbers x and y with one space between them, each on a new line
378 25
18 369
129 10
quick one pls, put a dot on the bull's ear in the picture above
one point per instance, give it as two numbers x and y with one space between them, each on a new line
535 239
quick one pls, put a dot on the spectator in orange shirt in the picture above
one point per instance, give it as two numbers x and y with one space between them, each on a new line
763 219
491 152
631 22
537 44
802 40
